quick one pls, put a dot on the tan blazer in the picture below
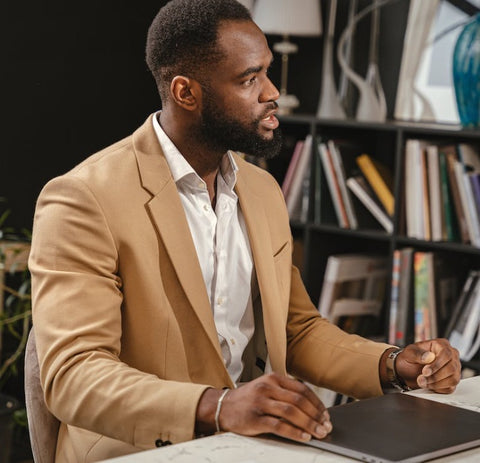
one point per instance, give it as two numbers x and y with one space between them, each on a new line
125 334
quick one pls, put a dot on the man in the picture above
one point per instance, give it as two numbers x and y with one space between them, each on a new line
162 273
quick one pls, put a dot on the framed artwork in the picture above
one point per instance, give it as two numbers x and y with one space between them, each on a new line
425 89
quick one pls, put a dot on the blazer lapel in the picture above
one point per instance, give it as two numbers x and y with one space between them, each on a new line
169 218
261 245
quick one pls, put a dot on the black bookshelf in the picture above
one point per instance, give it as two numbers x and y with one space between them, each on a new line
386 142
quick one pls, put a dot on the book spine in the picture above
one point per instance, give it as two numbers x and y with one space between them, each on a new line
394 294
447 202
475 184
436 213
404 333
287 181
334 188
467 203
422 320
341 179
294 199
457 201
363 195
377 183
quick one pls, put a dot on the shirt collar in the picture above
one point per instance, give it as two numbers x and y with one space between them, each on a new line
179 166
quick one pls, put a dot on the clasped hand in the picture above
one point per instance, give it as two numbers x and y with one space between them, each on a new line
432 364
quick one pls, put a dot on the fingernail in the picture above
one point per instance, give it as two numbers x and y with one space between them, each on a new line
306 436
428 357
328 426
427 371
320 431
422 382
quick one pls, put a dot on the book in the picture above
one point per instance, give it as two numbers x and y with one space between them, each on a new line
465 333
422 299
287 181
364 193
379 177
451 156
450 221
405 326
394 294
462 300
340 173
333 185
354 284
468 204
437 219
302 169
475 184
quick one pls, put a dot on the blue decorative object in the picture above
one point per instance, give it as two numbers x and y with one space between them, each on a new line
466 73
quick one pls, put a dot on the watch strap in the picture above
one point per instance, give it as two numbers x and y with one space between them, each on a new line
393 378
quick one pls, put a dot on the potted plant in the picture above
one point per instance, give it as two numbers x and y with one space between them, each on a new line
15 322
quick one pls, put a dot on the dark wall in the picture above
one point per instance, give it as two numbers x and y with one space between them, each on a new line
73 80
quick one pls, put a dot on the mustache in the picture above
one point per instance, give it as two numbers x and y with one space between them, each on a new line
273 105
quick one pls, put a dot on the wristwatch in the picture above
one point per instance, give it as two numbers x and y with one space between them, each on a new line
395 380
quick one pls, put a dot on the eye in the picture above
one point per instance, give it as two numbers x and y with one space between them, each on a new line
250 81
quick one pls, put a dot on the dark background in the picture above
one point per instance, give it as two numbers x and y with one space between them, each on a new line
73 80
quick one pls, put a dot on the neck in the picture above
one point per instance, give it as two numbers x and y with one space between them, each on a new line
204 161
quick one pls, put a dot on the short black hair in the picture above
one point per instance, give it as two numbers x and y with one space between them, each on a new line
182 39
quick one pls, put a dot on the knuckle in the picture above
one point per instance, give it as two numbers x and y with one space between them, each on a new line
287 409
298 399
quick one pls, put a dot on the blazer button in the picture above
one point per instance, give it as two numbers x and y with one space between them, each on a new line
162 443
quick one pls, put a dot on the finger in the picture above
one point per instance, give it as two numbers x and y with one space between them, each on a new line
419 353
300 388
292 409
448 376
270 424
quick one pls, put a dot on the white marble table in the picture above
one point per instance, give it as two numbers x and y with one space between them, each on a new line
232 448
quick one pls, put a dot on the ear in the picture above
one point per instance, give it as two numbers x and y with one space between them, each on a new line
186 92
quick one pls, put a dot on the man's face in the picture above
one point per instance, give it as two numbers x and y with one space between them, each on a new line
238 102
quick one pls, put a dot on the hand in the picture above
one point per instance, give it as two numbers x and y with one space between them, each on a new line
432 364
269 404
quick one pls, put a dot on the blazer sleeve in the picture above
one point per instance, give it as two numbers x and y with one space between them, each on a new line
77 315
324 355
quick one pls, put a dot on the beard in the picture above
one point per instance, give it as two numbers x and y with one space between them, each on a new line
221 132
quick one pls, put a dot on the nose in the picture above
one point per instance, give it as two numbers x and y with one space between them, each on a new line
269 92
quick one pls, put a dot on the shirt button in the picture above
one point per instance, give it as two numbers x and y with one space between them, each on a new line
205 207
220 301
232 341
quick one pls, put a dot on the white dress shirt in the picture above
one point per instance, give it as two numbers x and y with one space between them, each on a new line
223 249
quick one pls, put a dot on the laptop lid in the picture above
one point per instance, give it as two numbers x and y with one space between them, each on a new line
400 428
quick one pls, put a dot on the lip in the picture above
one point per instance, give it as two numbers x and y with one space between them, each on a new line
270 122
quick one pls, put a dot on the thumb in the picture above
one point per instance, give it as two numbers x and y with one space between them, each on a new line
417 354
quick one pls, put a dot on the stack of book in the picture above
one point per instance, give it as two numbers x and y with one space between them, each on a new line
359 187
357 184
425 302
442 192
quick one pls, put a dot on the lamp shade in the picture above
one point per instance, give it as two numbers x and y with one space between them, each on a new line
288 17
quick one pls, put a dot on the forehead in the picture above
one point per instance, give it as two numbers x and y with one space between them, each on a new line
243 46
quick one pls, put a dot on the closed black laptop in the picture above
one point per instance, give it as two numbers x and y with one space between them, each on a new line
400 428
